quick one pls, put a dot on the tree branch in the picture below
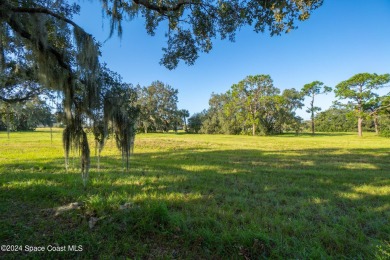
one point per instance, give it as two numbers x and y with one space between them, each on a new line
163 8
41 10
21 99
25 34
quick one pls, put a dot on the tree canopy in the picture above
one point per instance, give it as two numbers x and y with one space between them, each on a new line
254 104
158 107
359 90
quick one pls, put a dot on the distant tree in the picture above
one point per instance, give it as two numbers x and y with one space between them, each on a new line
158 106
184 114
252 105
359 89
195 122
312 90
290 101
250 97
278 111
373 107
336 119
377 107
27 115
217 118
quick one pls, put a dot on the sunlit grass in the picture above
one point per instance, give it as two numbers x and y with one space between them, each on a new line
201 196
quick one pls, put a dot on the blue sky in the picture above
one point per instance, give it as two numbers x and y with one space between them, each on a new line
341 38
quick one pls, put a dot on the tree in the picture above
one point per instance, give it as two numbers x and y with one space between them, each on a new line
184 113
158 105
253 104
218 119
45 28
250 97
359 90
195 122
26 116
312 90
290 101
335 119
378 106
62 55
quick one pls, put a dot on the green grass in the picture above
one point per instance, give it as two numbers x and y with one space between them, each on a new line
201 196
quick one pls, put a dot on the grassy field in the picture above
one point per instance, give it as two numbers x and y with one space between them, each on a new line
200 196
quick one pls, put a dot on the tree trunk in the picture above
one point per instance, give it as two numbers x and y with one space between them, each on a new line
98 160
253 129
312 125
185 125
145 129
312 114
360 132
8 120
51 135
376 124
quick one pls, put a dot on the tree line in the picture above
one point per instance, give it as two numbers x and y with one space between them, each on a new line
255 106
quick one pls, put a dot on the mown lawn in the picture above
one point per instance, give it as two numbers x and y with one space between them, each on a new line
200 196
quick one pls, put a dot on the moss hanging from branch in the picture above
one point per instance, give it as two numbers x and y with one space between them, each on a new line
74 138
119 109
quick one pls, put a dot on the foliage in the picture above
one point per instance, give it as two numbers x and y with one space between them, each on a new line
115 105
252 104
252 98
359 90
158 107
26 116
195 122
60 53
335 119
219 118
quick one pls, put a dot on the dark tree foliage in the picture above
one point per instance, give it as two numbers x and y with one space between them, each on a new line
335 119
195 122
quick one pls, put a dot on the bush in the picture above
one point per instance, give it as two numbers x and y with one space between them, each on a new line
385 133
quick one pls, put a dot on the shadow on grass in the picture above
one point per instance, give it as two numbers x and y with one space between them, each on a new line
317 134
211 204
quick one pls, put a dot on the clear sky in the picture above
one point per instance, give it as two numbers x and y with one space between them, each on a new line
341 38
